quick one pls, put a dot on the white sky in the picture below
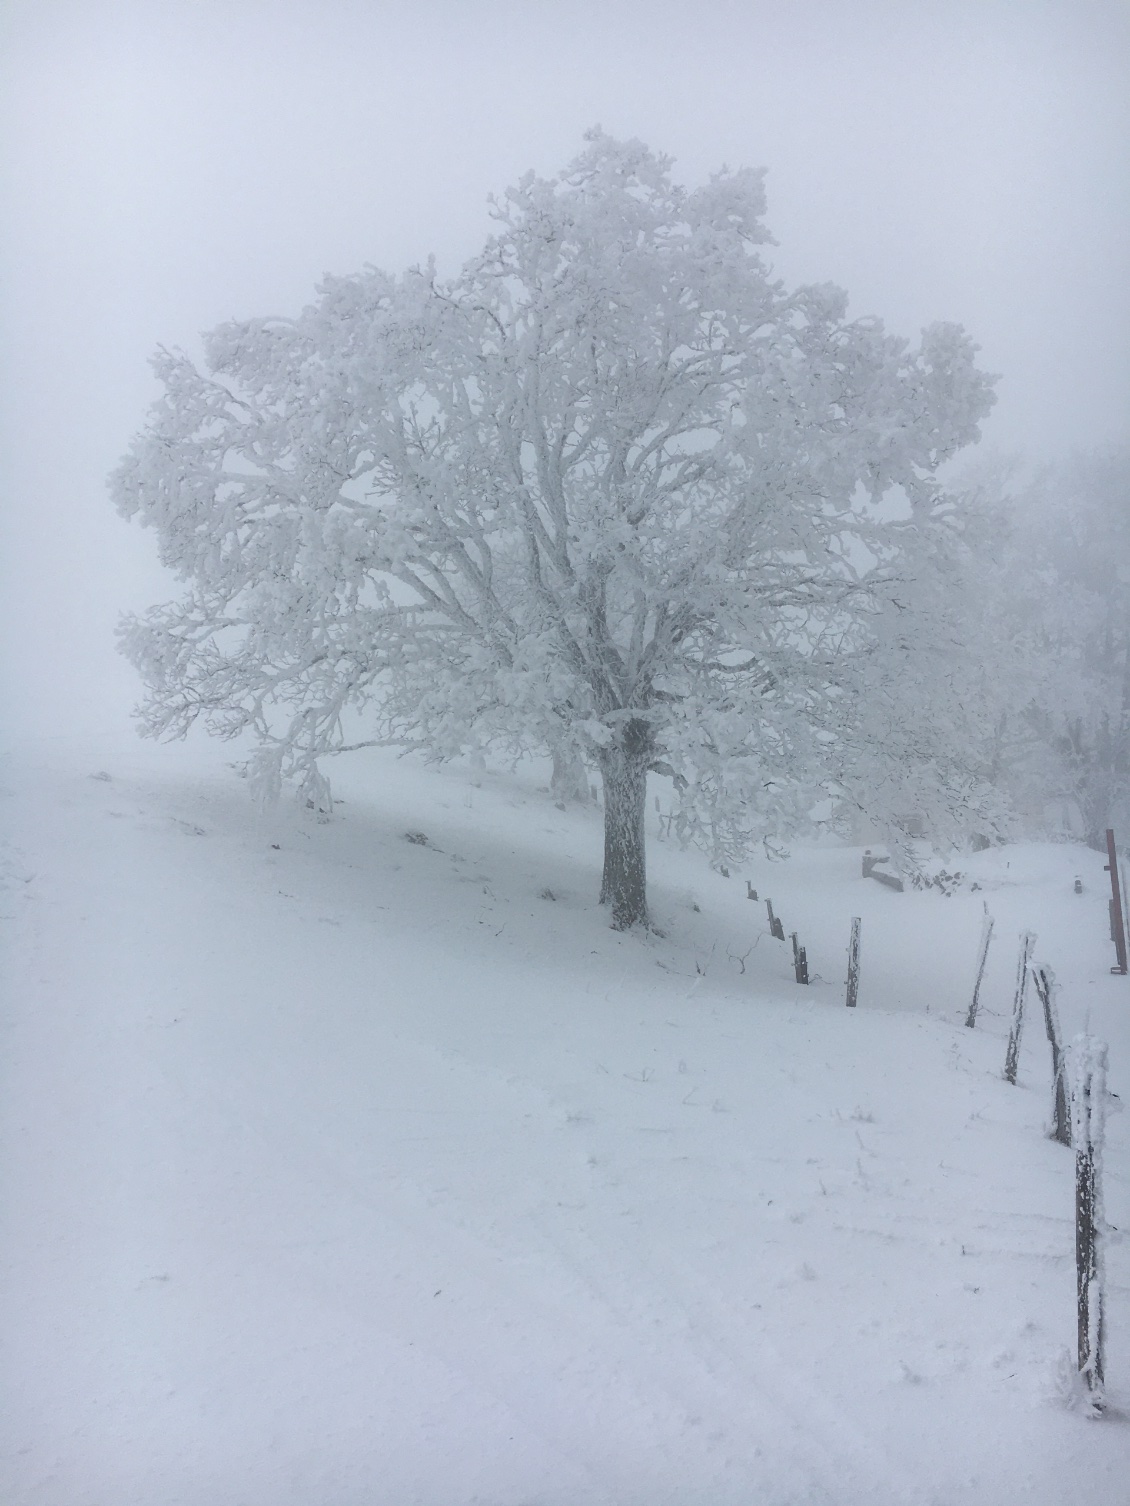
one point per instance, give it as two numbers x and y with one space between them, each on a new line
169 164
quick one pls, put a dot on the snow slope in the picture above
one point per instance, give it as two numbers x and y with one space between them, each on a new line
343 1169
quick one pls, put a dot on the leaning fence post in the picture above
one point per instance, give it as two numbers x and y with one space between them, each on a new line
1046 987
853 964
1012 1055
775 927
982 956
1088 1103
1117 923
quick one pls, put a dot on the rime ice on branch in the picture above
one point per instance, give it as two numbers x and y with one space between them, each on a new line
610 492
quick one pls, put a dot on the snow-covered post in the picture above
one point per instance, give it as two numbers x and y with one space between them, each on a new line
776 929
800 960
1012 1055
982 956
1088 1104
1046 986
853 965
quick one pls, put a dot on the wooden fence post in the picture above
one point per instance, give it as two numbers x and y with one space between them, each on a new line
800 960
775 927
982 956
1117 920
1088 1104
853 964
1046 986
1012 1055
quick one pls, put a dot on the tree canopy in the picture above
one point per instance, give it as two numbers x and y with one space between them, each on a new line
613 490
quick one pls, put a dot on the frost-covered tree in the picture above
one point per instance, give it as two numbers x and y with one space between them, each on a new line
1061 606
613 491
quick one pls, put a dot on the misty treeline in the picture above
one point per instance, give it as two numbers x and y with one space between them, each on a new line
616 495
1054 633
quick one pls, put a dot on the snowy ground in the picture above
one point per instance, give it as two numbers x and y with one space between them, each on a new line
343 1170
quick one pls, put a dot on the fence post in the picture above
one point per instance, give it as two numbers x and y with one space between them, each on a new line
1046 987
800 960
1117 922
853 964
1088 1104
775 927
1012 1055
982 956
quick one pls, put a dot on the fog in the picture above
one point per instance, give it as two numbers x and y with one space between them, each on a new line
170 166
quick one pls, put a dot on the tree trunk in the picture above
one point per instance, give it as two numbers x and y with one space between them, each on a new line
570 781
623 770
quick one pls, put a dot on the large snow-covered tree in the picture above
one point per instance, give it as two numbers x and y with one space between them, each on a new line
613 491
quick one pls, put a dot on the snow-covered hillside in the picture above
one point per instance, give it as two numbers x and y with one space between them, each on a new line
344 1169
